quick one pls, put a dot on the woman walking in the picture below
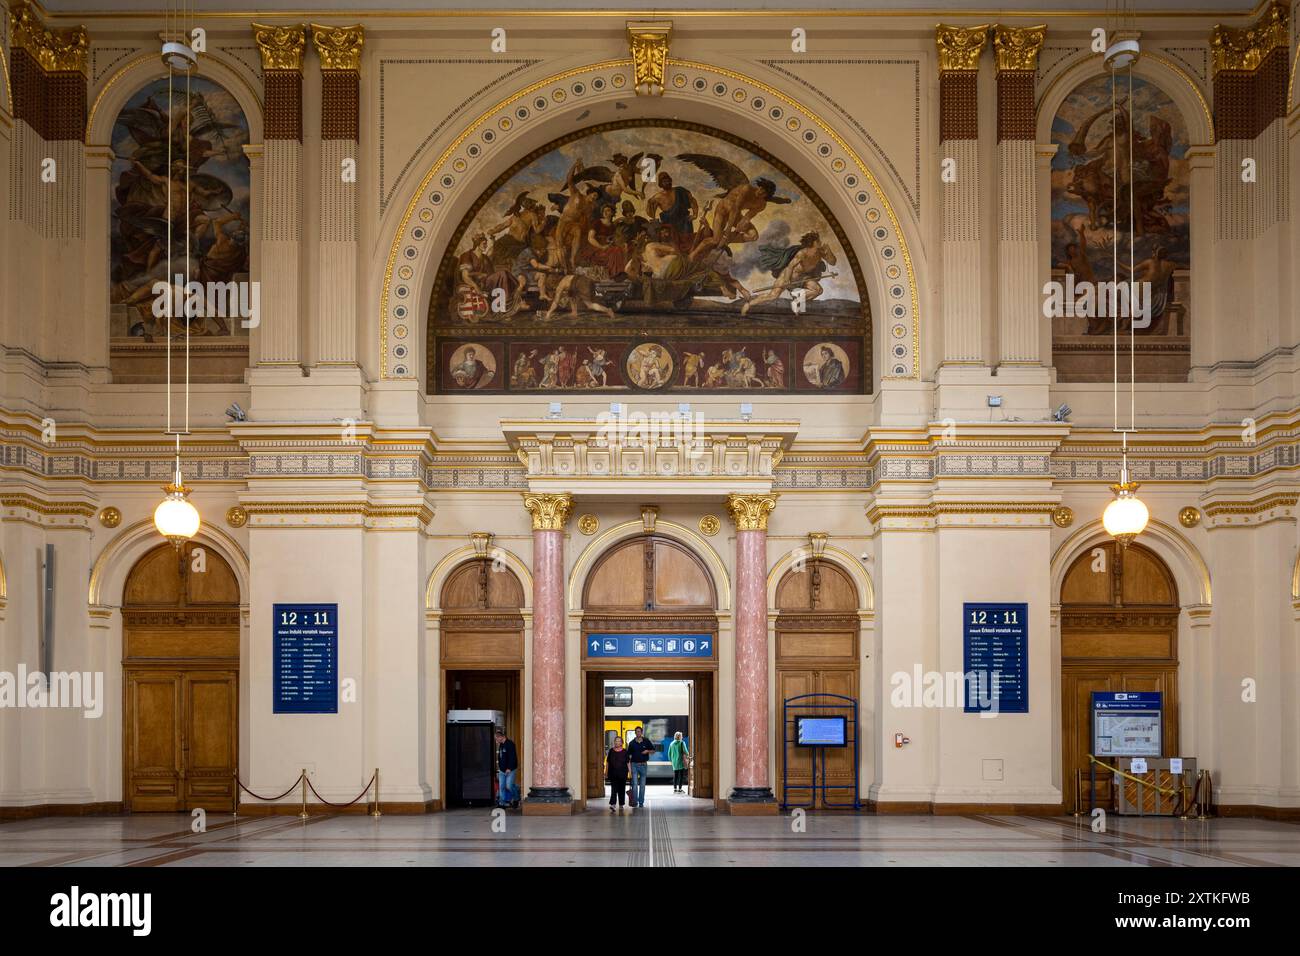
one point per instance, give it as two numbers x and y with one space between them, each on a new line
680 758
616 761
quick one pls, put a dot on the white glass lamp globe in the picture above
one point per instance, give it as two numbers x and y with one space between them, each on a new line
175 518
1126 516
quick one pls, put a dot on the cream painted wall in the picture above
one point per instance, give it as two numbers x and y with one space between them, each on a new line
920 569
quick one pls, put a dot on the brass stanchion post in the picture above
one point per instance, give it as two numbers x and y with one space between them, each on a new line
303 814
234 779
376 813
1078 791
1182 791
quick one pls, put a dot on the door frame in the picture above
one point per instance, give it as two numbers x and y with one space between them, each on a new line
444 672
613 669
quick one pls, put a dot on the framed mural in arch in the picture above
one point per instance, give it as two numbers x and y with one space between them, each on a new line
149 161
649 256
1091 126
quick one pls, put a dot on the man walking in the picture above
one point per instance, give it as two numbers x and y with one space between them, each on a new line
640 748
507 765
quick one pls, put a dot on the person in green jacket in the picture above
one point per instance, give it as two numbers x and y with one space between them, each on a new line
680 758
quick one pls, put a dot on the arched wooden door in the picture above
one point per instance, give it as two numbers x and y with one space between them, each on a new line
652 584
1119 632
180 670
482 631
816 653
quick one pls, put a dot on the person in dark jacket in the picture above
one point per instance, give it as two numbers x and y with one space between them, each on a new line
641 748
616 762
507 764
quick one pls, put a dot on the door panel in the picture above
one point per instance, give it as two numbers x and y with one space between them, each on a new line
153 752
704 741
210 742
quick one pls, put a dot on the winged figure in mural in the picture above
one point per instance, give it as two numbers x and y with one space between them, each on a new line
631 174
1100 182
164 152
739 203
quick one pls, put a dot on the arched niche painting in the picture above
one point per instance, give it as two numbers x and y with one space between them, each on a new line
1091 131
149 143
649 256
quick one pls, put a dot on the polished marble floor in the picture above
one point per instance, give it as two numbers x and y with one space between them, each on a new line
671 831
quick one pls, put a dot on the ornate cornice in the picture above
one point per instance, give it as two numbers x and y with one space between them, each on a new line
647 41
550 512
57 51
1243 50
47 508
1017 47
339 47
749 512
281 48
960 48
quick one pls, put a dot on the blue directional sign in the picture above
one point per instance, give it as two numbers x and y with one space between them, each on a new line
306 659
996 658
649 645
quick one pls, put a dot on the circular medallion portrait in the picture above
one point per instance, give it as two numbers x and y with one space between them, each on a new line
472 366
826 365
649 366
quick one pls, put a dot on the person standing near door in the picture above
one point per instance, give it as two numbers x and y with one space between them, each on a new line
616 763
640 749
507 765
679 756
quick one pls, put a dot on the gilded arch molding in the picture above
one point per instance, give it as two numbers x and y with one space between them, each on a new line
861 205
1153 66
633 529
142 69
1189 569
119 556
454 559
842 559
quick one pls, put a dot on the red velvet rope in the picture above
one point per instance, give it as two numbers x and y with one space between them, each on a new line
350 802
258 797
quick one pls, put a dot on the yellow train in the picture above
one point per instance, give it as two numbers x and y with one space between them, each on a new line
660 707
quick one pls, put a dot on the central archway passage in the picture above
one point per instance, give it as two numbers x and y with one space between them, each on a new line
650 592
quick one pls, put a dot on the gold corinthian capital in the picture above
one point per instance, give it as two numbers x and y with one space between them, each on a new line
550 512
960 47
339 47
280 47
750 512
1017 47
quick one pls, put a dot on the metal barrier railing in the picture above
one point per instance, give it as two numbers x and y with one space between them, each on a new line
306 783
1199 798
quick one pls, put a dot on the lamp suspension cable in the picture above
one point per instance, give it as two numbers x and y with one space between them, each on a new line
1126 516
176 518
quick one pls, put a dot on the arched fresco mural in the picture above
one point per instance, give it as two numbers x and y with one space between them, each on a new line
649 256
217 217
1089 131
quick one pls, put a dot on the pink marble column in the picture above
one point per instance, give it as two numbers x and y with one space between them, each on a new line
548 790
753 787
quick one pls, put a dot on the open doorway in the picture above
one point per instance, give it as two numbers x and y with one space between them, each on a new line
663 704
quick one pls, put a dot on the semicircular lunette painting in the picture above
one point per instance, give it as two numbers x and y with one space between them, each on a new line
649 256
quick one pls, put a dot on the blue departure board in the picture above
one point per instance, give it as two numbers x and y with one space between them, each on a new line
306 658
995 659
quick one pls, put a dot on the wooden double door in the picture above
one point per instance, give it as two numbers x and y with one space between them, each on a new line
180 671
182 737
